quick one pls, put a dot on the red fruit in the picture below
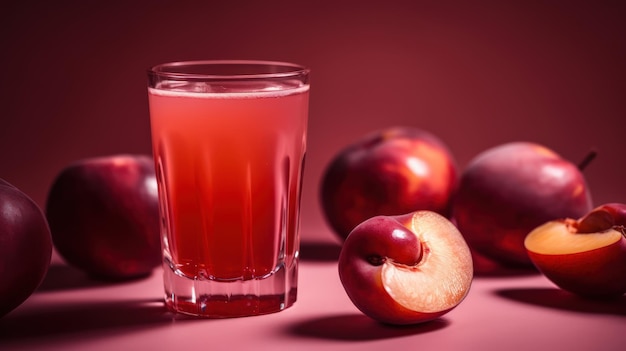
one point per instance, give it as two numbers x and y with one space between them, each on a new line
25 247
586 256
104 216
389 172
507 191
406 269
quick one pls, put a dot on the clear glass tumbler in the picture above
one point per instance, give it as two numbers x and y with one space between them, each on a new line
229 139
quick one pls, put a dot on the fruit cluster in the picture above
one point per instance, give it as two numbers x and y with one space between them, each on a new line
101 216
412 225
408 219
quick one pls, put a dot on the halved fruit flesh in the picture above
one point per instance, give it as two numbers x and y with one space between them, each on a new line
558 238
443 276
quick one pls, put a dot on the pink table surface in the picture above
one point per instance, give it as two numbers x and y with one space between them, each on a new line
521 312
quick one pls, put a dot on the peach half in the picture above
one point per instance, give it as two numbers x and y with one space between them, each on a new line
406 269
587 256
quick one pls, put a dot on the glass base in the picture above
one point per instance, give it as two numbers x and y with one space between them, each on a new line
223 299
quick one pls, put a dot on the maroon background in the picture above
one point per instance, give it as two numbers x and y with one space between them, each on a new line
475 73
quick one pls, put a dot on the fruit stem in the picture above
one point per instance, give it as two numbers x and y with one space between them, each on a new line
587 160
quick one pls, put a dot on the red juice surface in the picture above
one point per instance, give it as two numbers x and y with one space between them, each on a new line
229 168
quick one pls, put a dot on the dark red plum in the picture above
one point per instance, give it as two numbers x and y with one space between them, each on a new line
25 247
104 216
507 191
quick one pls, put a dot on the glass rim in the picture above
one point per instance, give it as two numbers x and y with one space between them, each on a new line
290 70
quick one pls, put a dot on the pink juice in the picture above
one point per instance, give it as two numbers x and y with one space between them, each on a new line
228 166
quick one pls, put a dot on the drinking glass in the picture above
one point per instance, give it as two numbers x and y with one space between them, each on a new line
228 140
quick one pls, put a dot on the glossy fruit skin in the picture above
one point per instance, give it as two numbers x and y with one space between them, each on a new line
594 274
104 216
597 273
388 172
25 247
508 190
375 241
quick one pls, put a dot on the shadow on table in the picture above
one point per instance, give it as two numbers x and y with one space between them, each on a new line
64 319
560 299
65 277
359 327
503 271
319 251
485 267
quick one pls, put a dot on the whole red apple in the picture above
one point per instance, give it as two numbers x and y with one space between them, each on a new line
406 269
25 247
104 216
389 172
507 191
585 256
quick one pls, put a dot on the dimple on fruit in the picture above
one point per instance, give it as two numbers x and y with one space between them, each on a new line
406 269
